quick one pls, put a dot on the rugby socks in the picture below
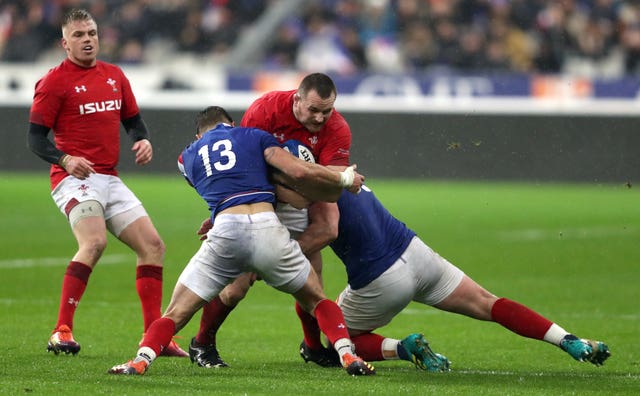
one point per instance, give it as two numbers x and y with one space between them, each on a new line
149 287
332 324
74 284
310 328
157 337
369 346
213 315
555 334
520 319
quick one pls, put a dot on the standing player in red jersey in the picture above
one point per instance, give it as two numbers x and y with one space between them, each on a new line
306 114
84 100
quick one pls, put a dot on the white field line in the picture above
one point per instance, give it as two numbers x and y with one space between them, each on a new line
540 374
539 234
60 261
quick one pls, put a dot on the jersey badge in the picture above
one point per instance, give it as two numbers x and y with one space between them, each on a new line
313 140
112 82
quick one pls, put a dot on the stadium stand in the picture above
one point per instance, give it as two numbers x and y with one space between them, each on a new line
591 38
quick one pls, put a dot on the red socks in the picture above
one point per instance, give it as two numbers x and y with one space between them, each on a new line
520 319
74 284
369 346
331 321
159 335
149 287
309 328
213 314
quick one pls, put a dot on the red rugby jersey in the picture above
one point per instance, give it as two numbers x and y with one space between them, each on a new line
84 108
273 113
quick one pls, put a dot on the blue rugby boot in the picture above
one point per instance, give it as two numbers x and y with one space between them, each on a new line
583 350
421 354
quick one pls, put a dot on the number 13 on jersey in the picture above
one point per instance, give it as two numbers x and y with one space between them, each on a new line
223 150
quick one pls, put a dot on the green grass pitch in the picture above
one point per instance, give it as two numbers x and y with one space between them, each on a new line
569 251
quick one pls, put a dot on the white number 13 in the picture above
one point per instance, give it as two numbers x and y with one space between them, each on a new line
223 147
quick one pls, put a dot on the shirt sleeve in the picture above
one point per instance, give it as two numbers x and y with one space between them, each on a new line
256 116
47 102
337 146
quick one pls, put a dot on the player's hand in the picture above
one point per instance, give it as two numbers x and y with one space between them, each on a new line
78 167
143 150
358 179
204 228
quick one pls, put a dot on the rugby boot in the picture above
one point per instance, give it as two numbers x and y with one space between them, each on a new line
206 355
354 365
131 367
61 340
422 355
325 357
583 350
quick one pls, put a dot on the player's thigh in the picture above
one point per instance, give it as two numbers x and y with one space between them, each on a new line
71 192
140 235
121 200
435 277
278 259
214 265
376 304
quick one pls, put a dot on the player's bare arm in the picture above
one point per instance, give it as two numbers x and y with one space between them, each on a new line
323 227
315 182
291 197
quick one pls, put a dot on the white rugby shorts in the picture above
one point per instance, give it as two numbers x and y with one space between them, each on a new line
240 243
419 275
114 196
296 220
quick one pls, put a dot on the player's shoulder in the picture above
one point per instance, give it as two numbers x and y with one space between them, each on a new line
338 125
111 67
54 77
274 98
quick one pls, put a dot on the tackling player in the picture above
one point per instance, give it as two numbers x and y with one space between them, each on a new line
306 114
229 168
84 100
388 266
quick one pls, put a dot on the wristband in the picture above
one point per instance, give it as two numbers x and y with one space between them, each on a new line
346 177
63 161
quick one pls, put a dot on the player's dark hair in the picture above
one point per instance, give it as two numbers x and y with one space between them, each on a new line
319 82
76 14
210 117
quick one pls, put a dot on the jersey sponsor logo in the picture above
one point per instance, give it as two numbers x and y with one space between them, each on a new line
80 88
99 107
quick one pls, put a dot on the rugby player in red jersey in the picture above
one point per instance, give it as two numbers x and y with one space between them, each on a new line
84 101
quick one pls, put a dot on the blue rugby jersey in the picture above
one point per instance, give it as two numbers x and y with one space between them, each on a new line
369 238
227 167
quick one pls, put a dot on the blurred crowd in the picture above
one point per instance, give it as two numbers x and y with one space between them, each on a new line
597 38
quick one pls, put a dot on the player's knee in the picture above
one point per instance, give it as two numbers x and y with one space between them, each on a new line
232 294
93 246
156 247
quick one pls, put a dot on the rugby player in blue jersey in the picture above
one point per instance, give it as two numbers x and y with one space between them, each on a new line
230 168
388 266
